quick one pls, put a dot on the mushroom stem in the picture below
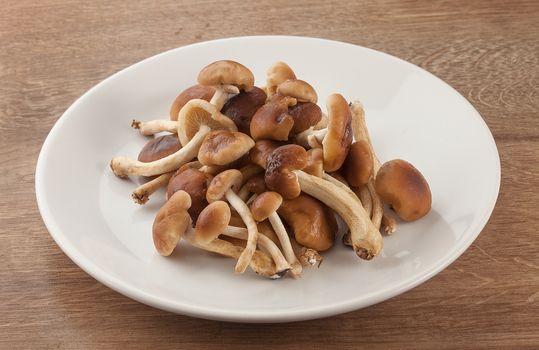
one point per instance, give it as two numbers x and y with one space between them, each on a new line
222 94
311 137
142 193
366 239
244 212
284 239
124 166
360 131
261 263
265 243
244 193
153 127
306 256
365 197
377 206
389 224
336 182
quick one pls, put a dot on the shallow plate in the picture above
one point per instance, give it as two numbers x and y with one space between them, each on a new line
411 114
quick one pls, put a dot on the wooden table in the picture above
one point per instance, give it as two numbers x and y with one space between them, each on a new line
53 51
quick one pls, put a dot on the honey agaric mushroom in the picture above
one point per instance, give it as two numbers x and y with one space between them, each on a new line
311 222
272 121
265 207
221 147
358 166
298 89
197 118
224 185
403 187
155 126
276 74
159 147
191 93
193 182
282 170
171 221
243 106
226 77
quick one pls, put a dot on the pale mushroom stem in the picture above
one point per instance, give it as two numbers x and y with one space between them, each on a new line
306 256
366 238
311 138
336 182
377 206
284 239
222 94
142 194
366 200
389 224
244 212
261 263
124 166
265 243
153 127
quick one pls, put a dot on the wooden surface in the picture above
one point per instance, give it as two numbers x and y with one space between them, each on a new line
53 51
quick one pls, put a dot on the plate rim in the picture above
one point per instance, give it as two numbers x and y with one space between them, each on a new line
213 313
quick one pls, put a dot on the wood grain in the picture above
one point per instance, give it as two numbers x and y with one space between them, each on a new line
53 51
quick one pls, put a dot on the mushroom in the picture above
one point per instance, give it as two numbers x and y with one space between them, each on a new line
276 74
197 118
358 166
298 89
170 223
265 207
313 225
142 193
243 106
272 121
155 126
305 115
195 91
262 149
224 185
403 187
283 176
226 77
221 147
159 147
389 224
195 183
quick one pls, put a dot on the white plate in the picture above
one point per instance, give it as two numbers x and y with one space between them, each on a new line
411 114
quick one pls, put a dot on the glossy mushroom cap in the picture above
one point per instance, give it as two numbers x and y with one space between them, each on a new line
170 223
243 106
279 172
265 204
298 89
227 180
315 162
359 164
313 223
212 221
339 135
261 151
195 91
199 112
402 186
305 115
195 183
227 72
159 147
272 121
276 74
221 147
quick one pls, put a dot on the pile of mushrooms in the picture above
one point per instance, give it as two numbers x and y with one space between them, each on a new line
261 174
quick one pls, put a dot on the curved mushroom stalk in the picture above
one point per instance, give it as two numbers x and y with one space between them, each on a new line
307 257
142 194
153 127
389 224
365 198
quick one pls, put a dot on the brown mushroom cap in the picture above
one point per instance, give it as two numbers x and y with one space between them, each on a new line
199 112
265 204
261 151
226 72
195 183
212 221
171 221
272 121
256 184
279 172
299 89
339 135
221 147
243 106
313 223
276 74
159 147
315 163
359 164
228 179
402 186
305 115
195 91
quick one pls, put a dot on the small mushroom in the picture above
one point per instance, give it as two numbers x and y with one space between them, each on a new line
358 166
265 207
170 223
221 147
403 187
195 183
243 106
312 223
224 185
305 115
339 136
226 77
159 147
272 121
279 171
276 74
195 91
262 149
298 89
